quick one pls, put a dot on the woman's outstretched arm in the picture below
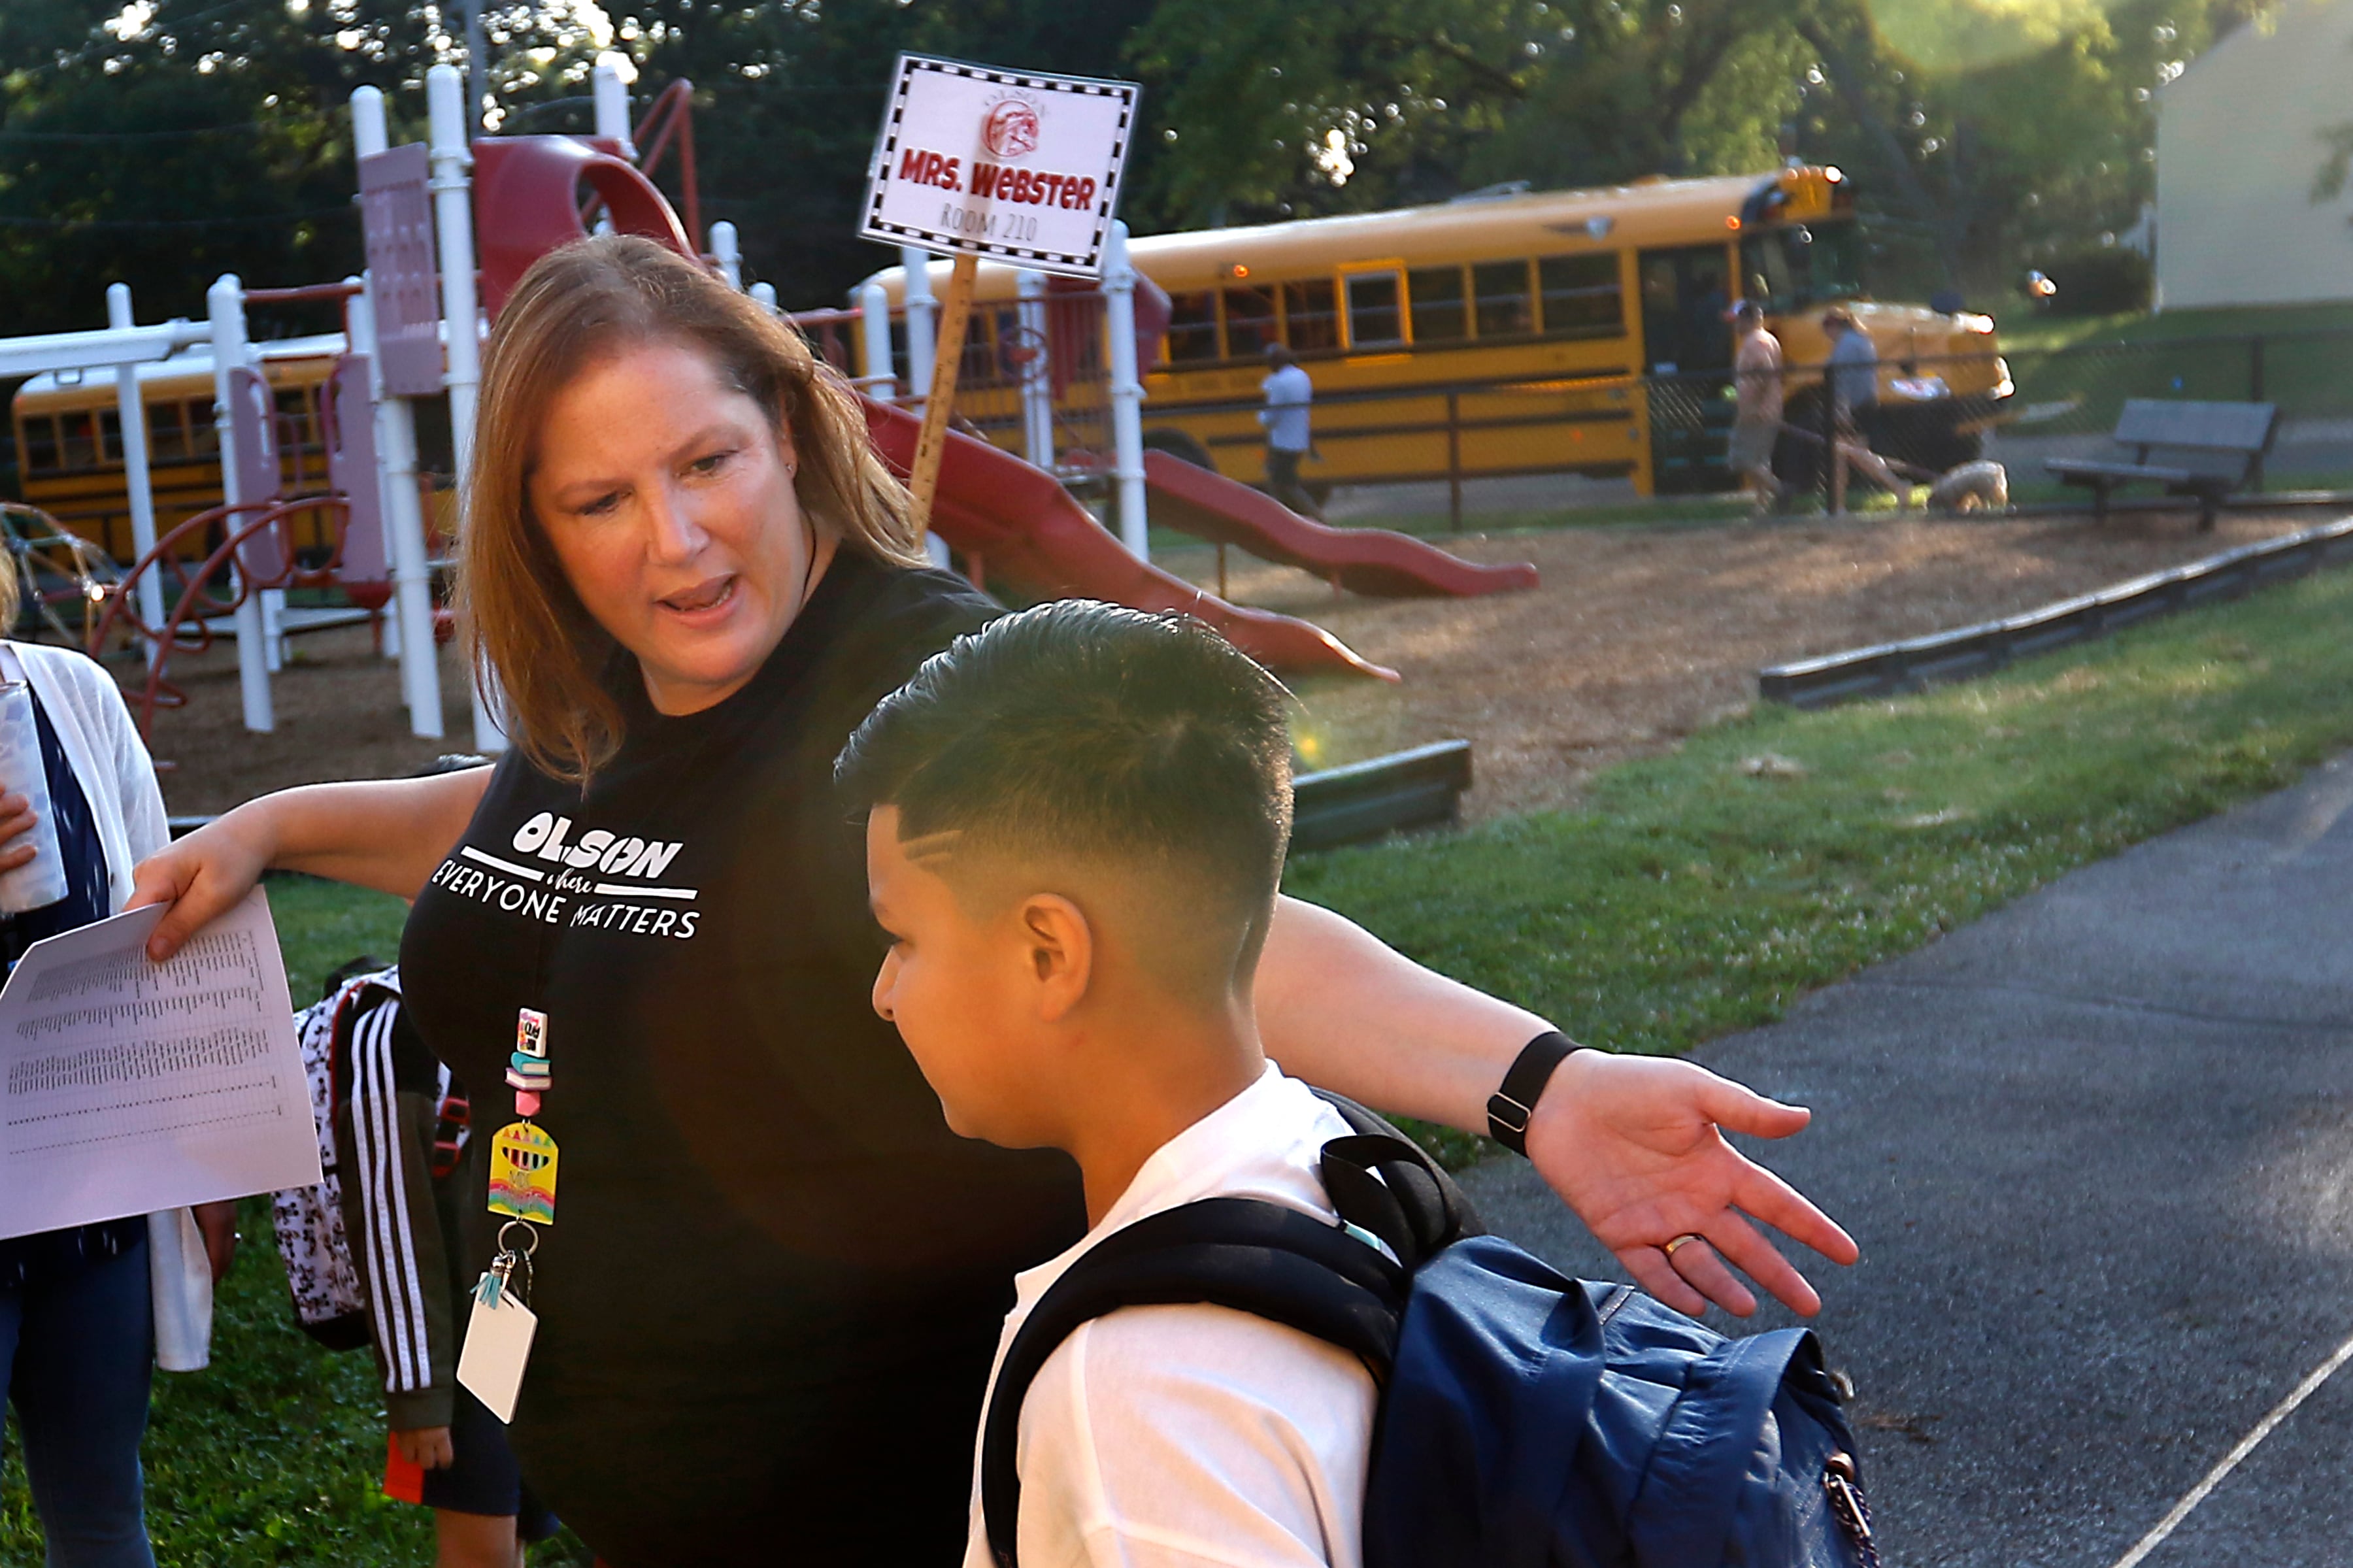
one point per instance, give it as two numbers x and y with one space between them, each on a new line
1634 1145
385 834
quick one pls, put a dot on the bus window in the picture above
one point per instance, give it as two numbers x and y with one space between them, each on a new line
1764 272
166 437
1501 290
1192 328
979 366
1581 297
1436 295
1374 318
109 436
1310 320
1249 322
80 433
40 444
203 436
297 416
1803 264
1016 348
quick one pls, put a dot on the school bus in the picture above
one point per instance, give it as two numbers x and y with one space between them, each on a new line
70 441
1514 332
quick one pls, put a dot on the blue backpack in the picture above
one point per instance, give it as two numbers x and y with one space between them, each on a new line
1527 1420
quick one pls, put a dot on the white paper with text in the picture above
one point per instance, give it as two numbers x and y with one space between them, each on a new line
129 1087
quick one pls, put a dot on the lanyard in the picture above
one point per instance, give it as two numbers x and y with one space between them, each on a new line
522 1154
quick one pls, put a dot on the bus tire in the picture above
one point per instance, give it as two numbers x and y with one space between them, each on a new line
1181 445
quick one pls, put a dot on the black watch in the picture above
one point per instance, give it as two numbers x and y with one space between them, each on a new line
1510 1107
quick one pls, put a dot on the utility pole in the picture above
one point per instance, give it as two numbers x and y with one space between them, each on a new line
477 56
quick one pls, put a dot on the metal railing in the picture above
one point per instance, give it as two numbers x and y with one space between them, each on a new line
2059 402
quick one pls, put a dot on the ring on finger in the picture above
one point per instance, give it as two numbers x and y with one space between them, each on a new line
1685 1239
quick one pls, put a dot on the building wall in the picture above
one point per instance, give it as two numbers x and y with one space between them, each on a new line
2238 145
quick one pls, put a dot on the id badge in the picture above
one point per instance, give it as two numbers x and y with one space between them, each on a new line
498 1347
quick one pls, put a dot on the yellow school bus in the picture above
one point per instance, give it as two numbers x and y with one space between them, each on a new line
70 441
1514 332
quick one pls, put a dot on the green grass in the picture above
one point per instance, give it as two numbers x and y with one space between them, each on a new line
1692 896
1689 897
322 926
2073 374
2021 330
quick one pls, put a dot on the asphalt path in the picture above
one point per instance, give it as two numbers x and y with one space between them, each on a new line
2098 1150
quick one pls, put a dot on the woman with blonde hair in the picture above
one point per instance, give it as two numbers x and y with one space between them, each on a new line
87 1312
768 1285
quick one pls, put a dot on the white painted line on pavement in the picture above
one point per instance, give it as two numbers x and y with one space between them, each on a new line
2264 1429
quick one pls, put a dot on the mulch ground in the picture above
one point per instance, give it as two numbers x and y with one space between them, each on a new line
1639 636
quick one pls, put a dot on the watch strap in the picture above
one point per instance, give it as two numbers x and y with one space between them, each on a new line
1510 1107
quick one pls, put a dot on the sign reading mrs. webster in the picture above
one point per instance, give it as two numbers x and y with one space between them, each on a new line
1005 164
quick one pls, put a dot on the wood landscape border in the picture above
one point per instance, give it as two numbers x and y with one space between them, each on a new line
1966 652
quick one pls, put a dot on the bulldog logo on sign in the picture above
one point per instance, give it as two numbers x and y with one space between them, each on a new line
1010 128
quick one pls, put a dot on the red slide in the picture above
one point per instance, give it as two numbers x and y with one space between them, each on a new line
1019 522
1370 561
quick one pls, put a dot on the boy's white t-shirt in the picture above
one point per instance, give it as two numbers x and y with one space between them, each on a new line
1171 1436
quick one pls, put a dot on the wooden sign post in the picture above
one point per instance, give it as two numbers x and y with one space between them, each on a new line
947 355
976 162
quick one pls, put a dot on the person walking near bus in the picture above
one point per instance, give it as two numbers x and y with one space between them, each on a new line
1757 417
1852 373
1288 392
769 1305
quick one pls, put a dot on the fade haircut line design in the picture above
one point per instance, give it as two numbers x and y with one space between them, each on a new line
1084 730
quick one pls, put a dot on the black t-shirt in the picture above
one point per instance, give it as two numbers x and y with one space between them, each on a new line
772 1290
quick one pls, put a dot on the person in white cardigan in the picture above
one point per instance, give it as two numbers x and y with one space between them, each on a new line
85 1313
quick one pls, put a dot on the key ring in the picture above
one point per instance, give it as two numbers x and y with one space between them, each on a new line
530 1246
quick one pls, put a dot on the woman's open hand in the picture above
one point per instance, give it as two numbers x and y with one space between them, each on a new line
202 877
1635 1145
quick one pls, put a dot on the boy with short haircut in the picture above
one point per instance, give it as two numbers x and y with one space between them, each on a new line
1076 833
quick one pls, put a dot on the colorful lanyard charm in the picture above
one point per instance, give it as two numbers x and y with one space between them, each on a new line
522 1156
527 1071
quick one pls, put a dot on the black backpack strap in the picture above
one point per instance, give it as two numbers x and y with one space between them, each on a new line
1272 1262
1383 1182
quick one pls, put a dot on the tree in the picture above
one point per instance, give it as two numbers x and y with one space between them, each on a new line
2016 134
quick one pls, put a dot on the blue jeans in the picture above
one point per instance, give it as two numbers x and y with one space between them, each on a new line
76 1347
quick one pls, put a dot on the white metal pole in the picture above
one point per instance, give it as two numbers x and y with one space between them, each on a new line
273 630
612 97
923 315
404 532
764 296
726 250
359 338
1038 375
225 303
875 342
369 135
131 412
453 221
1126 392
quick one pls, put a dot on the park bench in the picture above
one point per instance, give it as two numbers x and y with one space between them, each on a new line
2204 449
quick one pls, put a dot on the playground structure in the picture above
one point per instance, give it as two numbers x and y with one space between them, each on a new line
427 207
